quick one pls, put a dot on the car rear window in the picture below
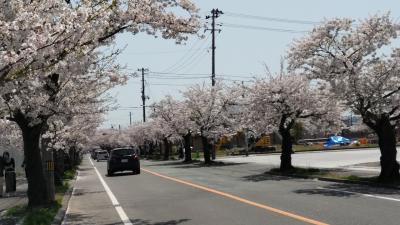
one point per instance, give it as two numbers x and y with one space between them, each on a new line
121 152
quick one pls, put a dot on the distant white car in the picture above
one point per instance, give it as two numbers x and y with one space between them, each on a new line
101 155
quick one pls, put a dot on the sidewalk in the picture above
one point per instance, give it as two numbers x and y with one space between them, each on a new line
89 203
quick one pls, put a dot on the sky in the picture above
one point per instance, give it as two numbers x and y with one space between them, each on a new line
245 45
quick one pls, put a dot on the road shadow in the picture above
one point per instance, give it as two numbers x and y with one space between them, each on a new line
149 222
81 219
120 174
83 169
324 192
365 189
82 191
169 163
195 164
213 164
347 190
266 177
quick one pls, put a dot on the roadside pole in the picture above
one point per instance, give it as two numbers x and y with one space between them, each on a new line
48 169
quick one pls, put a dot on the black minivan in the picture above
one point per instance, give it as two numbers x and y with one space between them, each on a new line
123 159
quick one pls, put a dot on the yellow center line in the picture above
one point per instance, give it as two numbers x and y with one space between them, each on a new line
259 205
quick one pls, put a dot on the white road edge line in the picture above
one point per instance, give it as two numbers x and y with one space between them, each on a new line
69 202
125 219
365 195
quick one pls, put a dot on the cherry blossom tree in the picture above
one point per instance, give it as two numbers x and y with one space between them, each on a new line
147 135
49 60
174 115
278 102
72 134
207 110
37 35
74 88
355 60
10 136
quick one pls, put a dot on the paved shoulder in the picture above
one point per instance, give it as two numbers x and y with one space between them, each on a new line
89 203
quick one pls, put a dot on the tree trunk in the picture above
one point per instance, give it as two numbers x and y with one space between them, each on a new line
286 155
151 150
38 193
188 150
181 156
167 149
213 151
387 145
206 150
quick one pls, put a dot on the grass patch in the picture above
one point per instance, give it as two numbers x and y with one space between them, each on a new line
16 211
69 174
357 178
61 189
39 215
34 216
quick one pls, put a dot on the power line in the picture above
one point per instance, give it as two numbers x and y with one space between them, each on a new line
164 52
235 80
189 59
195 61
274 19
178 65
201 74
175 77
231 25
180 85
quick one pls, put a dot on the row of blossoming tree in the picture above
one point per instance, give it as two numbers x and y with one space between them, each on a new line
53 75
272 104
340 66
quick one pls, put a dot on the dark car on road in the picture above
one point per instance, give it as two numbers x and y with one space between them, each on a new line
123 159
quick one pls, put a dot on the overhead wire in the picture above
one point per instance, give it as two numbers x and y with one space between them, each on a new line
183 61
231 25
196 61
273 19
202 74
164 52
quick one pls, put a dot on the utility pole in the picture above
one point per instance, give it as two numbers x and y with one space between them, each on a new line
143 70
215 13
130 118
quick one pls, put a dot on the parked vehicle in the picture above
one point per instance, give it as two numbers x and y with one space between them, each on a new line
123 159
93 153
101 155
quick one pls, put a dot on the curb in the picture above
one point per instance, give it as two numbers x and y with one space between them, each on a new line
337 180
58 219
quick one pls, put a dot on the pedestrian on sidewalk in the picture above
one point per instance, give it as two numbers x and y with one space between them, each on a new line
1 176
9 170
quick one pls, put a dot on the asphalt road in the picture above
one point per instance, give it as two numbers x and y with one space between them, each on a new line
170 193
